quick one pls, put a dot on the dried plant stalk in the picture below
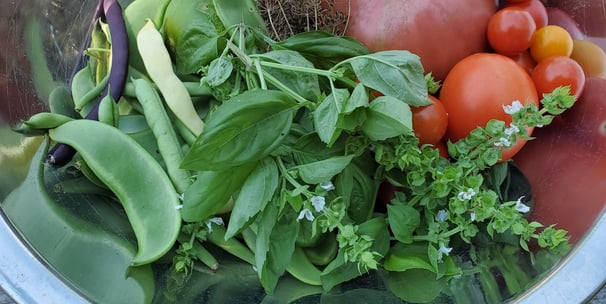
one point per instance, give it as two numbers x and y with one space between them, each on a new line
285 18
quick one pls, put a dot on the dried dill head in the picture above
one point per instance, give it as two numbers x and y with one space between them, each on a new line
285 18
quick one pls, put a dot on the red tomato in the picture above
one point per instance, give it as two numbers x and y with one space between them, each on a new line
525 60
589 14
429 122
536 9
566 166
441 32
510 31
556 71
477 88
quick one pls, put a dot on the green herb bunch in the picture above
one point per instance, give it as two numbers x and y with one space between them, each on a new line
296 142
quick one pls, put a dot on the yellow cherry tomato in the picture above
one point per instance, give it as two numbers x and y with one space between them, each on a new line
551 40
590 57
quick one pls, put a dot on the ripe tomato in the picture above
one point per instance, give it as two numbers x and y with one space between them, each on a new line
429 122
477 88
566 166
525 61
441 32
590 56
536 9
510 31
557 71
551 40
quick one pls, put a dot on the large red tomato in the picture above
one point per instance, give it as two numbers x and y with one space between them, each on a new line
441 32
566 166
477 88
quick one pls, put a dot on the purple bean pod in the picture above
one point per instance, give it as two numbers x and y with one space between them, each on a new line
111 12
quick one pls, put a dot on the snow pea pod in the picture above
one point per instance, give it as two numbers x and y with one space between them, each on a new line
145 191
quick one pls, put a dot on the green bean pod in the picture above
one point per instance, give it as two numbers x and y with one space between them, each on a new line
159 66
46 120
138 181
161 126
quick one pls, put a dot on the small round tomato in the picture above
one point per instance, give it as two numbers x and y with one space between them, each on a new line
557 71
429 122
535 8
510 31
590 57
551 40
525 61
477 88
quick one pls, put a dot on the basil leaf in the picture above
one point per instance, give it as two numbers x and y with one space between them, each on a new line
211 191
387 117
256 192
394 73
219 71
359 190
402 257
275 245
326 116
322 48
245 128
403 220
192 34
323 170
353 112
414 285
305 84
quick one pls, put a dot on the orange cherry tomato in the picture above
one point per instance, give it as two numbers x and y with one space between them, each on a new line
551 40
590 57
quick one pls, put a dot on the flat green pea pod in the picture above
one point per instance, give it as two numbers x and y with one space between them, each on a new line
138 181
168 143
83 237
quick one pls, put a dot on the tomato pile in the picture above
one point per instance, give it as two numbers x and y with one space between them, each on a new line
521 51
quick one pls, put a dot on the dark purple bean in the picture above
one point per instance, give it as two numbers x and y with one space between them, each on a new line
109 11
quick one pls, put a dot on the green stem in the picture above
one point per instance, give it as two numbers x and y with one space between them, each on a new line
273 80
290 179
329 74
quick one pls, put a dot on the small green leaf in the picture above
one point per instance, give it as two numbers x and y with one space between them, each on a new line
305 84
387 117
403 220
219 71
323 170
326 116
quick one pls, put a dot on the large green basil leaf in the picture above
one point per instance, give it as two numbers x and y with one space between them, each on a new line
395 73
211 191
305 84
192 29
387 117
322 48
256 192
235 12
414 285
245 128
275 244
